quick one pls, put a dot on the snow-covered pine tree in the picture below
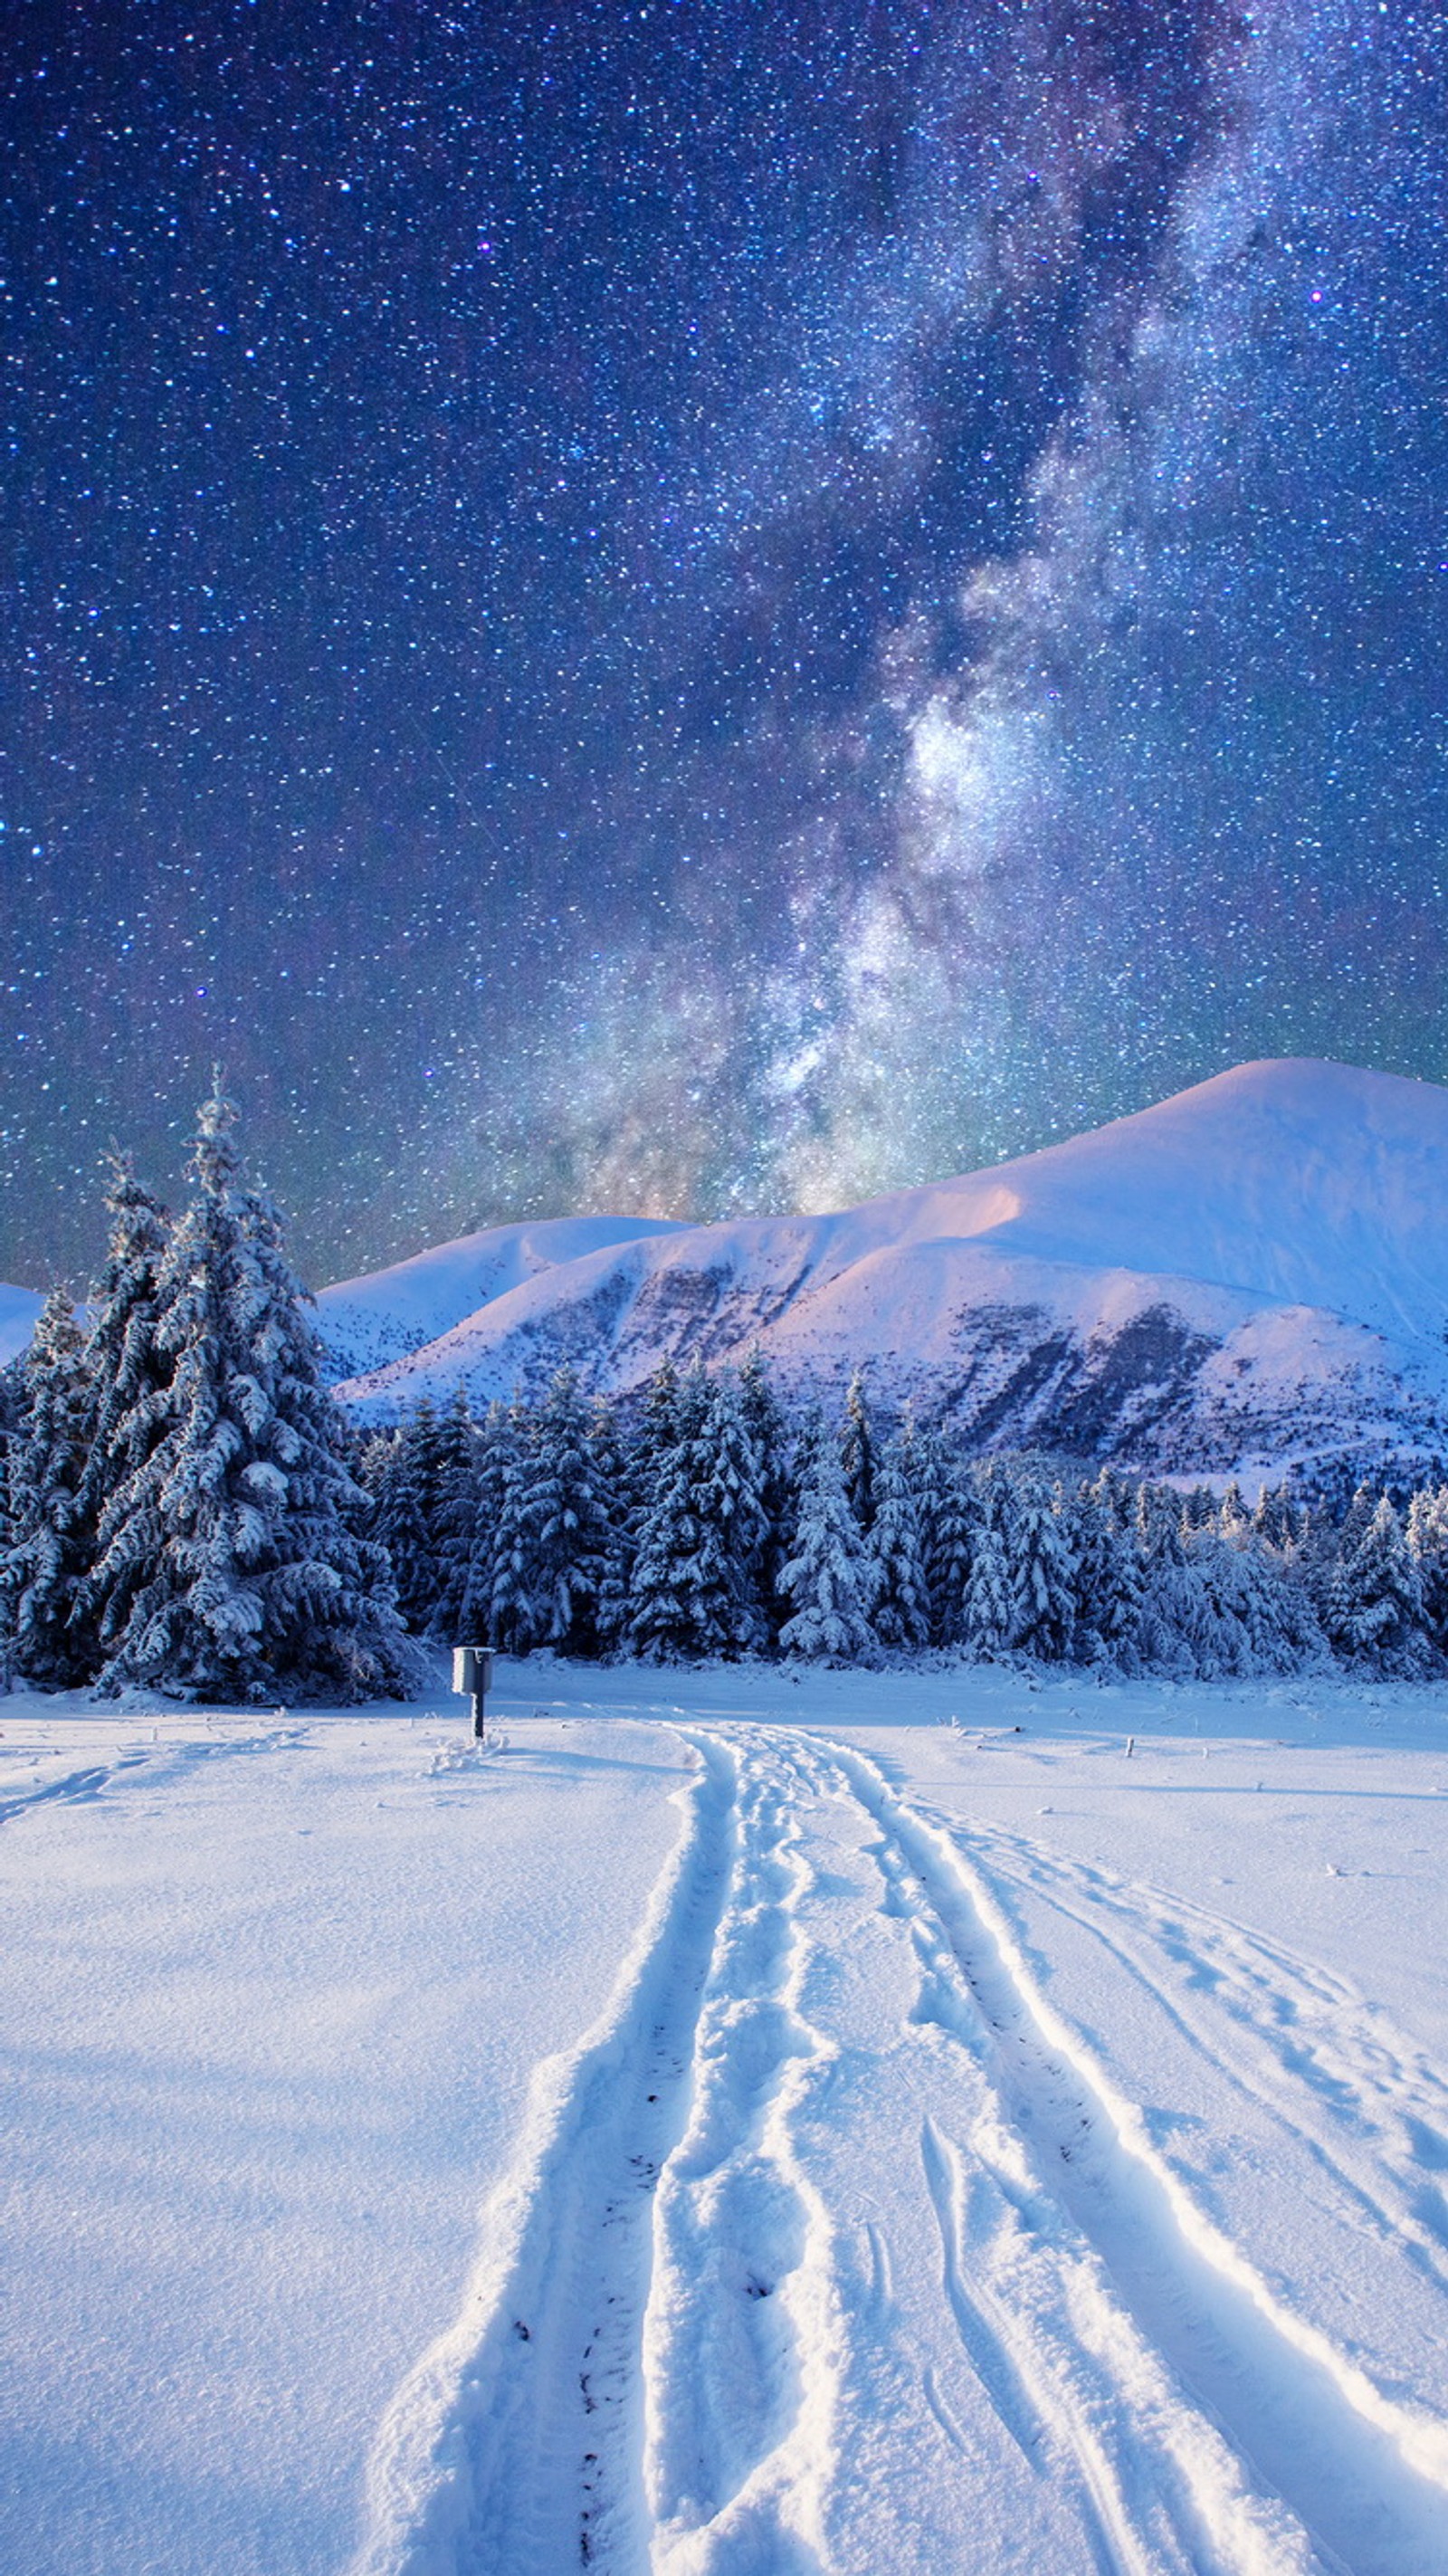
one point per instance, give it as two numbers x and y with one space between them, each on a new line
828 1577
613 1459
765 1421
1427 1535
12 1410
859 1453
1166 1611
1379 1600
256 1582
1042 1563
987 1625
1328 1569
733 1527
658 1424
896 1547
454 1515
948 1513
402 1516
663 1622
565 1520
1239 1614
499 1440
50 1536
332 1629
1109 1573
694 1590
517 1615
1279 1520
1357 1519
129 1374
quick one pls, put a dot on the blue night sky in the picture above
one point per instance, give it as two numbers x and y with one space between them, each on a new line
709 607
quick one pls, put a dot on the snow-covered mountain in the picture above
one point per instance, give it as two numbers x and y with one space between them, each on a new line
390 1314
1253 1272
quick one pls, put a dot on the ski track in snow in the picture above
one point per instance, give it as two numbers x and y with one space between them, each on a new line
516 2444
684 2346
1365 2105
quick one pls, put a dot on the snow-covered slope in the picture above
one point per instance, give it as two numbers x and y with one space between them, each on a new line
1252 1271
388 1313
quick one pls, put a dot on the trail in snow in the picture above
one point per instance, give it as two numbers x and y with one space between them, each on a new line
1367 2107
1368 2477
516 2446
743 2333
837 2248
1136 2478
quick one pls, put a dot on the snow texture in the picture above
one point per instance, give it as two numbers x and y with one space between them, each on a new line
747 2124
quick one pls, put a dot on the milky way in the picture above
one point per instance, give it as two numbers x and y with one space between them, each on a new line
708 608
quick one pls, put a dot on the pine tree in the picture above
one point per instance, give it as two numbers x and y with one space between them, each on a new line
949 1512
658 1425
988 1612
237 1539
1109 1572
694 1590
663 1624
615 1468
733 1527
517 1617
1380 1600
51 1536
1428 1545
129 1376
764 1420
12 1413
1166 1611
402 1517
828 1578
332 1629
454 1516
567 1521
1042 1569
554 1532
859 1453
901 1613
499 1440
1279 1520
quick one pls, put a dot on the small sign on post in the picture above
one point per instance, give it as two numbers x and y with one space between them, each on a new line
472 1679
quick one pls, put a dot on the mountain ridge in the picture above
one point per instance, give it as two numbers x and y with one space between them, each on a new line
1252 1269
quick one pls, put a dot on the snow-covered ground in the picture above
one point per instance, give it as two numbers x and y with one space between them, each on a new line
924 2123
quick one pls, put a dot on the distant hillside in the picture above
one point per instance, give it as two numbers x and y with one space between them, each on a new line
1250 1274
392 1313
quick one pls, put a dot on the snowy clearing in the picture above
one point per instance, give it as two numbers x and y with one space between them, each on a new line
743 2125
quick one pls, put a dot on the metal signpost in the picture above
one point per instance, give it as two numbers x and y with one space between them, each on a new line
472 1678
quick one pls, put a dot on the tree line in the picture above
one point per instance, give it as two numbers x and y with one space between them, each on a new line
704 1521
187 1509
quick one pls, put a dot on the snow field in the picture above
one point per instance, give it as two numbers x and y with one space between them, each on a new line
900 2145
271 1997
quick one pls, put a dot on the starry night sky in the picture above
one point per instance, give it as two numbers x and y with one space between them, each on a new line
711 607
